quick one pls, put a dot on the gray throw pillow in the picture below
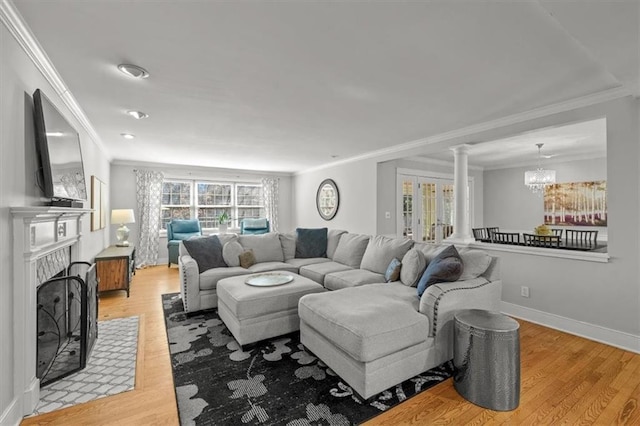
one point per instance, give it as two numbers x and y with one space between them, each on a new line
288 243
206 251
393 271
311 243
445 267
413 265
231 252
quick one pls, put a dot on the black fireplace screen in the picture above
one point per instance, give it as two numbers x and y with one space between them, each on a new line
67 324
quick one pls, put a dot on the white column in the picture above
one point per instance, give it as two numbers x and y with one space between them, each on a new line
461 230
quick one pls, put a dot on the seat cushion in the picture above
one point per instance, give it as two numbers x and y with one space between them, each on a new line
298 263
246 301
367 322
351 278
382 250
271 266
317 271
209 279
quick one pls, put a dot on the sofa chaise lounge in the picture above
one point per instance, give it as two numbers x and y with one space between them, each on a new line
373 334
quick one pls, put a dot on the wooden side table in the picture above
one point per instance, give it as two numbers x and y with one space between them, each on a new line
115 266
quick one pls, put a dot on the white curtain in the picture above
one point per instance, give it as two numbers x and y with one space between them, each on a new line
149 197
271 199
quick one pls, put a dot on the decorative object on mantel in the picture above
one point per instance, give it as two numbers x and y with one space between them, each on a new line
98 199
327 199
539 178
122 217
576 204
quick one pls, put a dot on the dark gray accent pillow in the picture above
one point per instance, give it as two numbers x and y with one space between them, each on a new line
445 267
206 251
311 242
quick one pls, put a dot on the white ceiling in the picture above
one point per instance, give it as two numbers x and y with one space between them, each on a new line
560 144
286 86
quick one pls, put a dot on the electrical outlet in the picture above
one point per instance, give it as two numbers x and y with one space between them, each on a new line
387 215
524 291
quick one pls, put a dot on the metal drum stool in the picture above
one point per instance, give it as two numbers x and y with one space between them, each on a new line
486 357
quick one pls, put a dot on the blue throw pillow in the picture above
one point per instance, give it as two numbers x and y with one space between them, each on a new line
206 251
311 243
393 271
445 267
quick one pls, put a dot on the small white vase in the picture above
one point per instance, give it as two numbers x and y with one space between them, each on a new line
222 228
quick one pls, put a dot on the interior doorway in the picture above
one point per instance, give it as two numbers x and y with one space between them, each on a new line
426 208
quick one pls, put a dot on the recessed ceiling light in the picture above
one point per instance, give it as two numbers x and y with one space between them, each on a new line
127 135
56 134
133 71
334 156
139 115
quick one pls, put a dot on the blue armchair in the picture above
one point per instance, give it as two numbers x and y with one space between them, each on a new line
254 226
180 229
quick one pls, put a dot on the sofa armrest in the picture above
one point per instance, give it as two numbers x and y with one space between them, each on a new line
189 283
440 302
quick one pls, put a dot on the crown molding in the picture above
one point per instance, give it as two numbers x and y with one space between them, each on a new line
572 104
16 25
183 171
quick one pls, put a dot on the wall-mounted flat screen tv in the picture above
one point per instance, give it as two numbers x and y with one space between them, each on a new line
61 171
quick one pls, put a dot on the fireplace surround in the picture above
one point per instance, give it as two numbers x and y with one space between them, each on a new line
41 236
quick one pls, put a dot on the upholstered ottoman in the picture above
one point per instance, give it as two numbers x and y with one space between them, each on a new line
255 313
372 336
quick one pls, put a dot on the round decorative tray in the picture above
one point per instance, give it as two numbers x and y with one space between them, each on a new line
268 279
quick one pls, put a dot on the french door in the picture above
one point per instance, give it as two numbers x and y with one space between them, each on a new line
426 208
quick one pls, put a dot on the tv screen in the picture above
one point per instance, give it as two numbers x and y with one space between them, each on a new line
58 147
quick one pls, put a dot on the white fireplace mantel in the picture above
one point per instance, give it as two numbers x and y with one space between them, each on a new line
37 233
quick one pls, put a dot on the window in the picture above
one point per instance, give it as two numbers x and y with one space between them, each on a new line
206 201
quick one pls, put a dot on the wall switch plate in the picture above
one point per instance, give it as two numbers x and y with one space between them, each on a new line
524 291
387 215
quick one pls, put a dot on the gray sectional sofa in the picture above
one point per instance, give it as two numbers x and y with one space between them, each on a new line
373 334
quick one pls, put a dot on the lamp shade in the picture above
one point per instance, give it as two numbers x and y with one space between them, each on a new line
122 216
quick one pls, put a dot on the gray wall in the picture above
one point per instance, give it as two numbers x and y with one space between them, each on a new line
19 78
123 191
357 187
510 205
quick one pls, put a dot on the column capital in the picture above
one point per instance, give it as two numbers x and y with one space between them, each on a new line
461 148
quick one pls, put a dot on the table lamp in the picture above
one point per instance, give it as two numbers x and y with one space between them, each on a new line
122 216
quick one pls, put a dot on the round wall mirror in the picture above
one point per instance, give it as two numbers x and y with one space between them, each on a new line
327 199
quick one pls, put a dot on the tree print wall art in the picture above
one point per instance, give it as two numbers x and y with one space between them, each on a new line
576 204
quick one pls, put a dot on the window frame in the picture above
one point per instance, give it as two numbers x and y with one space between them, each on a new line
232 207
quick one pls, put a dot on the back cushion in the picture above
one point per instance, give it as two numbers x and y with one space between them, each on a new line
184 226
474 263
382 250
333 238
288 243
266 247
351 249
430 251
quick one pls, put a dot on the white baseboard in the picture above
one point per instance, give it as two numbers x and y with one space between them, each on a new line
619 339
13 413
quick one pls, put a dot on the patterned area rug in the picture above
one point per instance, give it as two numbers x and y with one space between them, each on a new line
274 382
111 369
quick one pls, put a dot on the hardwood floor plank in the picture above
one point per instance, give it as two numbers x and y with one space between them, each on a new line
565 379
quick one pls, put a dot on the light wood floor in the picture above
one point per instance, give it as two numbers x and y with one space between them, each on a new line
565 379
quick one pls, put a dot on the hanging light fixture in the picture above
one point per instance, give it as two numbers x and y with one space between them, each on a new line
538 179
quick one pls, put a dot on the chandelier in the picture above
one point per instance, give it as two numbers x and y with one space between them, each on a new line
539 178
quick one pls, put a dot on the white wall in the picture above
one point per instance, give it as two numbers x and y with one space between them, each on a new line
357 186
123 191
387 188
19 78
510 205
